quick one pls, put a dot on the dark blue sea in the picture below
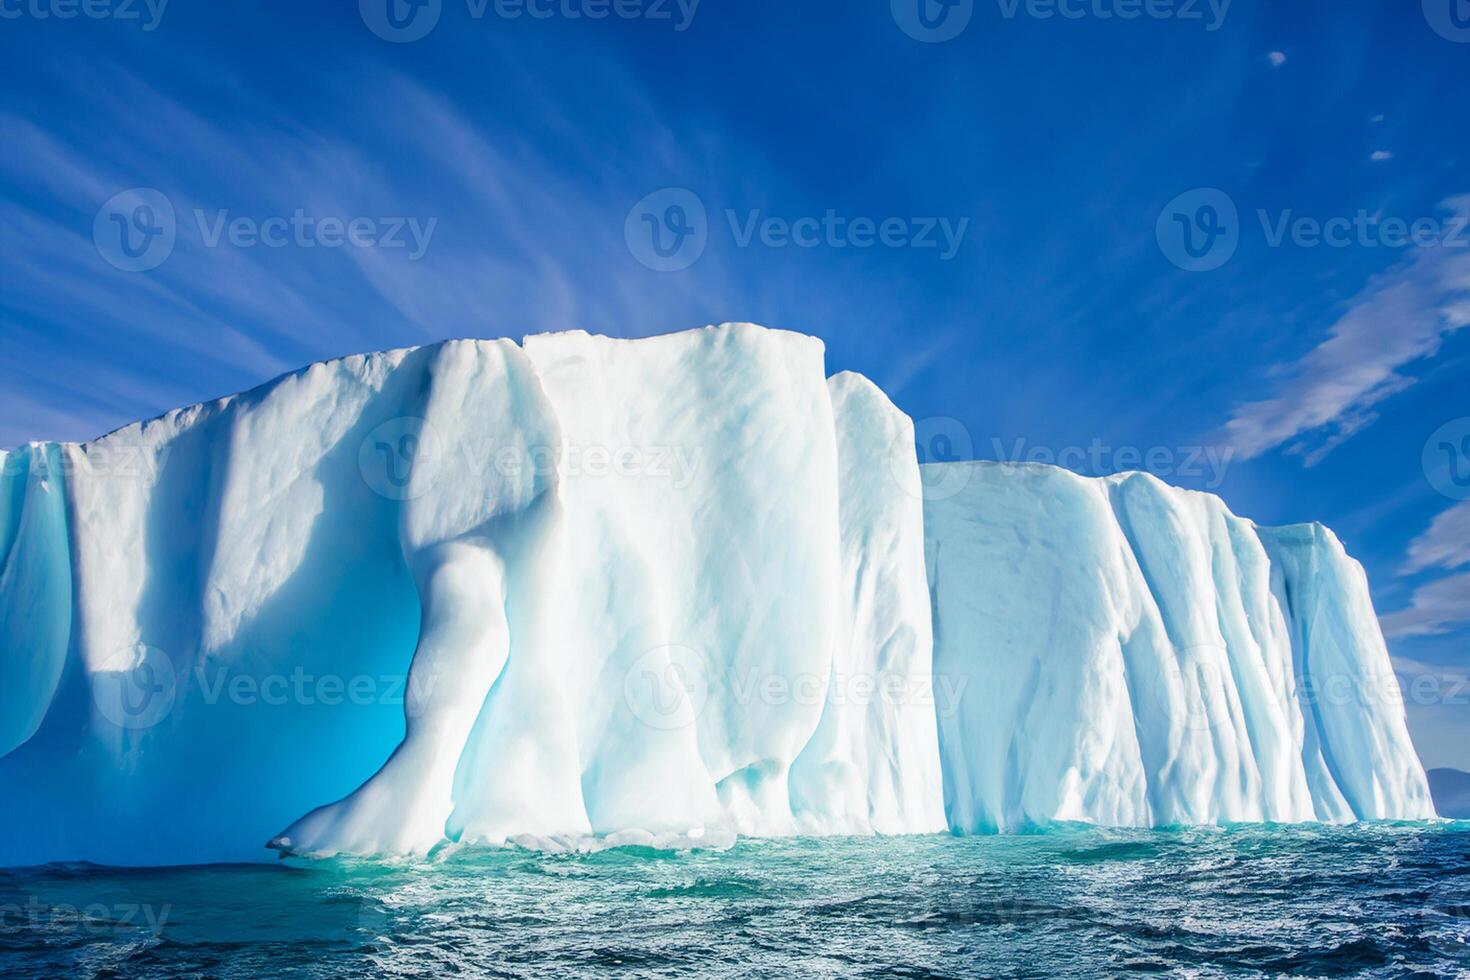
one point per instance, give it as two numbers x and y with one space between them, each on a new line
1374 901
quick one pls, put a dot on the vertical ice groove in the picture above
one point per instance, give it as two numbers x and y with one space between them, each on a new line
1032 591
1291 591
1369 768
873 762
1157 662
1171 537
35 588
1266 703
14 465
1308 590
459 530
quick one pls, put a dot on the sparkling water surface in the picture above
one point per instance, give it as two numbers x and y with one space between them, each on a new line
1373 901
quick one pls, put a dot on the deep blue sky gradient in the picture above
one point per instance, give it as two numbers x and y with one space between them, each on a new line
1060 321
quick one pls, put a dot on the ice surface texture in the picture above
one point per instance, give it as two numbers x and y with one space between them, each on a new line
673 587
1136 655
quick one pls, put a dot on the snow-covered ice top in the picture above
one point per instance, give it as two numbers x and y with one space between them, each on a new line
665 588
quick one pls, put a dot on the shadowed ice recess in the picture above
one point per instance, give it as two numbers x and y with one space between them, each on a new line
665 590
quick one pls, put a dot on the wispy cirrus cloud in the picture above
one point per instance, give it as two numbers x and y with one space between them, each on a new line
1437 608
1443 605
1331 393
1444 544
520 245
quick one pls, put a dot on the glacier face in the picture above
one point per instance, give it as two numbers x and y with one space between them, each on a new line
1137 655
481 590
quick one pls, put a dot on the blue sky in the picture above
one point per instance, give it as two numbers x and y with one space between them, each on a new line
1031 294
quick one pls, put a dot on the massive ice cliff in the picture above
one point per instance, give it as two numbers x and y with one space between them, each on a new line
685 586
1137 655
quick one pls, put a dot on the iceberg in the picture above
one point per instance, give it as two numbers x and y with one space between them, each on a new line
675 588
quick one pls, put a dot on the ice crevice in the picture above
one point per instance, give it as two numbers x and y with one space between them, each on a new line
670 589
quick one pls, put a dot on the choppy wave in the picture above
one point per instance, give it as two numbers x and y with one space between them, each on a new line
1372 901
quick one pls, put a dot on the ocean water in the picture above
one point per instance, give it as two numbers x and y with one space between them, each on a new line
1375 901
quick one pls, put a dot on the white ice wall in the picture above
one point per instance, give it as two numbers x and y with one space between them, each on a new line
1136 655
873 764
624 585
580 585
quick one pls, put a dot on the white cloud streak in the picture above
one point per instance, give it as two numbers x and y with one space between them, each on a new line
523 242
1330 394
1437 608
1444 544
